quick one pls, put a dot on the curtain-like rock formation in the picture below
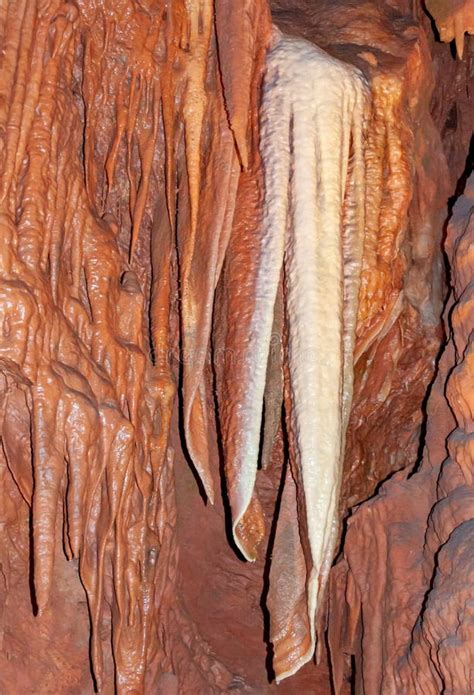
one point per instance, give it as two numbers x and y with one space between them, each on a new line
116 144
311 239
213 241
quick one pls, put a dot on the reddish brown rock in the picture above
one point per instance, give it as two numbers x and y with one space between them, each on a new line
130 192
402 593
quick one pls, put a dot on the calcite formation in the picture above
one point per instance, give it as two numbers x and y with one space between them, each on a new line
453 18
102 124
416 531
221 288
311 239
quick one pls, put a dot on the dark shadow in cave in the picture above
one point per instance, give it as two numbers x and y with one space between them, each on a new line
269 551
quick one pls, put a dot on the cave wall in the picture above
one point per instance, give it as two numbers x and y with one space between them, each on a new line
132 196
403 291
114 133
414 572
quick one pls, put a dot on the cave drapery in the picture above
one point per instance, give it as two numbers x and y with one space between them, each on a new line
225 321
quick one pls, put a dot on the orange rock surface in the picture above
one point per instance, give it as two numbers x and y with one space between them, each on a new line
131 195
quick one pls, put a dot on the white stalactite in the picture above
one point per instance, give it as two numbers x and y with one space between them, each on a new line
312 119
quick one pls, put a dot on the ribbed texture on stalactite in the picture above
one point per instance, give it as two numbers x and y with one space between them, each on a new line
119 170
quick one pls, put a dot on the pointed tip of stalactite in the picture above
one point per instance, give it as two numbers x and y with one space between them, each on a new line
210 494
246 554
459 29
249 554
242 152
41 603
41 590
293 666
203 476
195 434
248 530
206 482
240 139
459 41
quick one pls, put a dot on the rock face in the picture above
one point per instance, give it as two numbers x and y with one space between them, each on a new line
404 584
222 267
453 19
119 176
